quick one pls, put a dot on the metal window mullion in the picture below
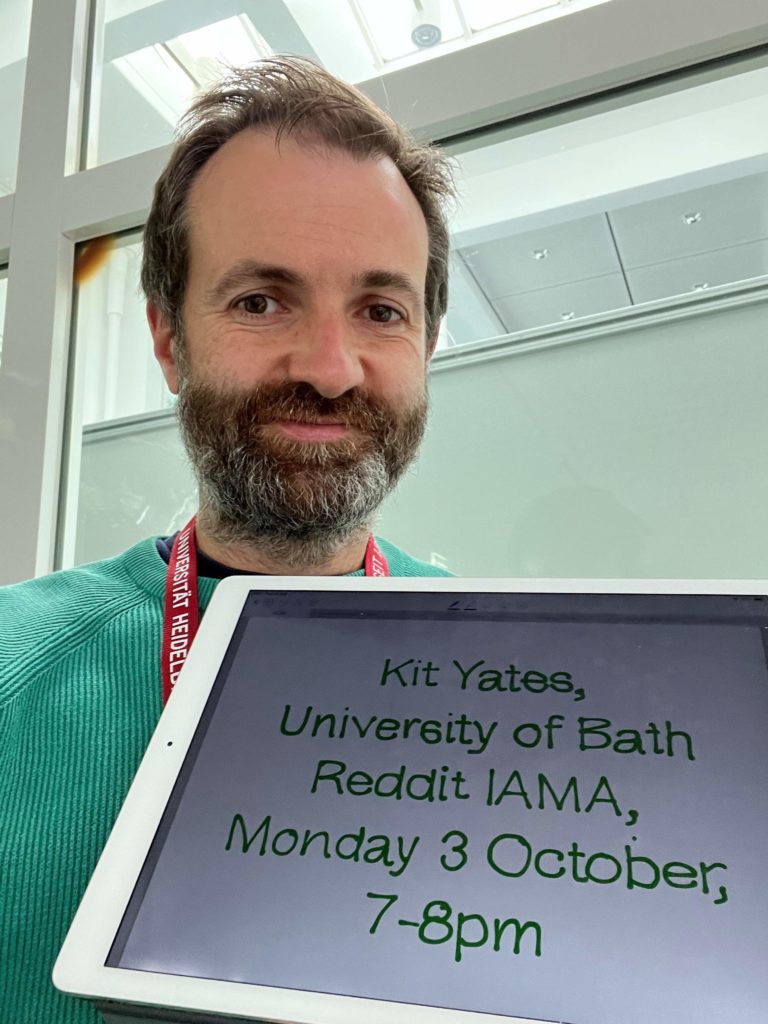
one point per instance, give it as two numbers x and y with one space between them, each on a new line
92 83
113 197
33 372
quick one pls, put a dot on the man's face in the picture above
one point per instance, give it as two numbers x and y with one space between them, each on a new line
302 370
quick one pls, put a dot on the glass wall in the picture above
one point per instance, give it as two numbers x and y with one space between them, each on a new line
151 57
599 263
659 198
14 39
118 373
118 398
636 452
585 207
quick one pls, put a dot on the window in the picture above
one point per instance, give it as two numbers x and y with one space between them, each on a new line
117 372
14 39
152 56
657 199
638 230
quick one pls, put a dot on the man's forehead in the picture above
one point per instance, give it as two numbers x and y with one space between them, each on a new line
306 209
253 165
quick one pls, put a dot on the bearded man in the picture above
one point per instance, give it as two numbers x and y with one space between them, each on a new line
295 269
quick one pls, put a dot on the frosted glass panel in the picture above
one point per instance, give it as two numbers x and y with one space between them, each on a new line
15 17
637 454
632 455
132 484
118 373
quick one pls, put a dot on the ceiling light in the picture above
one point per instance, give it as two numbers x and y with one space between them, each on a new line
426 35
540 254
692 218
426 31
400 28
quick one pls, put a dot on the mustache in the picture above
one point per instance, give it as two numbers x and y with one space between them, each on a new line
298 400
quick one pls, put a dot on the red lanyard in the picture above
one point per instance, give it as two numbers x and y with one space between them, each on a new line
182 615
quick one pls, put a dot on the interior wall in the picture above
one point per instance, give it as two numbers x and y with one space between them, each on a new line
633 454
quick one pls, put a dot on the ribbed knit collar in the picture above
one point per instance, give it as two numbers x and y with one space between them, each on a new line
145 566
147 569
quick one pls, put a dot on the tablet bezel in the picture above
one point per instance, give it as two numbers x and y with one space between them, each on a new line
80 968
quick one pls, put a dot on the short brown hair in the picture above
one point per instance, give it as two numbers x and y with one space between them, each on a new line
294 96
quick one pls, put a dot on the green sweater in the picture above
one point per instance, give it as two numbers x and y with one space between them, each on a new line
79 699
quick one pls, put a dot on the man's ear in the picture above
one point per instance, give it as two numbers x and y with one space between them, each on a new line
162 335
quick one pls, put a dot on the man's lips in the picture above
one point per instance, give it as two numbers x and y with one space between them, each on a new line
297 430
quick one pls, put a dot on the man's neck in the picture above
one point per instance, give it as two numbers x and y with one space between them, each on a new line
249 557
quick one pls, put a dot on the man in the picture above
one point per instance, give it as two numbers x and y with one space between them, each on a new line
295 270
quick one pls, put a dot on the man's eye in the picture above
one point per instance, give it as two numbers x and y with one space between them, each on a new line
257 305
382 314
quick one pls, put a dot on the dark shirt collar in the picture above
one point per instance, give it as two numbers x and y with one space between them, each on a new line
205 566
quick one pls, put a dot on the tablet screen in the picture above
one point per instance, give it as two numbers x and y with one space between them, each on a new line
549 806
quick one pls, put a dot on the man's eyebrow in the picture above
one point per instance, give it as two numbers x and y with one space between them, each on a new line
392 279
244 273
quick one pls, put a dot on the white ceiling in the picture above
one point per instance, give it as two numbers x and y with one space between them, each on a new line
607 196
614 158
682 244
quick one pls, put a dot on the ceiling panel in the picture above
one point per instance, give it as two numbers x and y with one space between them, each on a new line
702 220
544 258
470 316
565 302
678 277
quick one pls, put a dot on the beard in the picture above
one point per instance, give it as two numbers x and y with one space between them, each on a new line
297 501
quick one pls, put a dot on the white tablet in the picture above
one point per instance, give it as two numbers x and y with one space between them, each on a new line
440 800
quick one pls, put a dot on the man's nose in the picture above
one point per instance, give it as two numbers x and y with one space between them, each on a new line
327 356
